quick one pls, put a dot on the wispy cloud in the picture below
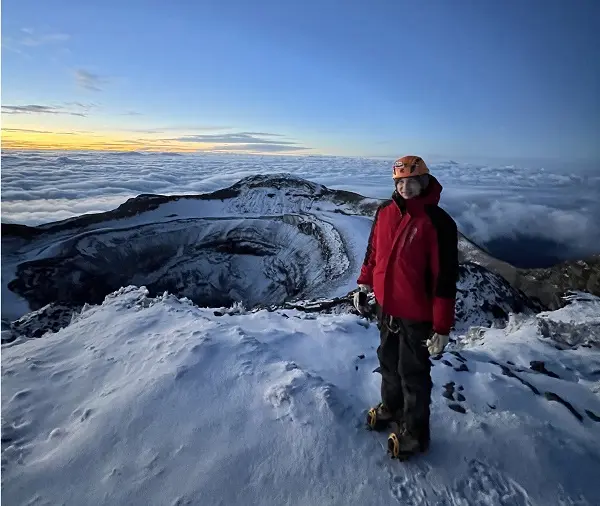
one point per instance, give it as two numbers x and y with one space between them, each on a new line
180 128
89 81
131 113
41 109
234 138
81 107
28 37
41 40
263 148
26 130
251 142
263 134
87 106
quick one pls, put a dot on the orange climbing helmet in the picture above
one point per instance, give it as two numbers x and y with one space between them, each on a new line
409 166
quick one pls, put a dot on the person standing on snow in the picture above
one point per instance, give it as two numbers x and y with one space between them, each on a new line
411 265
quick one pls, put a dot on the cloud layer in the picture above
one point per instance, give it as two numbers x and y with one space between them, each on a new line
487 202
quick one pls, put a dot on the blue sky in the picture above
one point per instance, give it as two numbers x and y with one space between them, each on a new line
459 79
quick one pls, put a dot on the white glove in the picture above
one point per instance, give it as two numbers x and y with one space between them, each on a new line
360 299
436 343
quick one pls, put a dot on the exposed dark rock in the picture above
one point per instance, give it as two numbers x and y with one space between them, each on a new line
460 397
549 285
498 312
361 356
448 395
447 362
458 356
539 366
551 396
461 368
506 371
335 305
592 415
458 408
50 318
8 337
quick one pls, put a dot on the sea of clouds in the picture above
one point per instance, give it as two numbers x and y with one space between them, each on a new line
559 206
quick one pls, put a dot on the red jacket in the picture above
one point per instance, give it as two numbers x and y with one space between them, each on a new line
412 259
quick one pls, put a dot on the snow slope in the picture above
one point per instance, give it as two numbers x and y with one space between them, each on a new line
155 401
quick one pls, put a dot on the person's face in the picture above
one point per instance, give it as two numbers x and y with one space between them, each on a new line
408 187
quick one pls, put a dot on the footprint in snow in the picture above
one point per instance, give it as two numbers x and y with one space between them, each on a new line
245 368
82 414
484 484
59 374
19 396
57 433
451 394
458 356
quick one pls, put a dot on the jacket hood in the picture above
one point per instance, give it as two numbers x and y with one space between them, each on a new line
430 196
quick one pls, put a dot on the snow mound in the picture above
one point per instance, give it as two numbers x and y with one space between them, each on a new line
577 323
146 400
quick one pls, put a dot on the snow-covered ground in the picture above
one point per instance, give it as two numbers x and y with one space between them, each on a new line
145 400
156 401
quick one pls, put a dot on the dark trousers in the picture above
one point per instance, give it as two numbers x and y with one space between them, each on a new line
405 373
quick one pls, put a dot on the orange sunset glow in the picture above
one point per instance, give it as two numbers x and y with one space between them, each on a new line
20 139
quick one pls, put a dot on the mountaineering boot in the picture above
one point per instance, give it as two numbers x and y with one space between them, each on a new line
378 418
402 444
